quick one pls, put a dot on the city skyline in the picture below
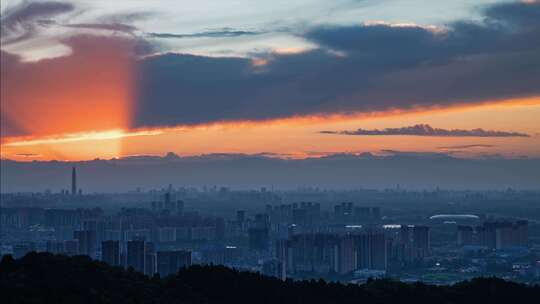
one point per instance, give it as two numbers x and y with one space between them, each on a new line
438 237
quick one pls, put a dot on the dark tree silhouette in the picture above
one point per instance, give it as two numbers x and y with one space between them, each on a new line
47 278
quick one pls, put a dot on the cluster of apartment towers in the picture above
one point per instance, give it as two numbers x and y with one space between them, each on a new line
137 253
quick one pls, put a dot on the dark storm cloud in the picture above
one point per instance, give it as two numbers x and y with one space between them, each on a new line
357 69
427 130
526 15
19 22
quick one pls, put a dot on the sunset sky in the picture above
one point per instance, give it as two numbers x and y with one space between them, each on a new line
292 79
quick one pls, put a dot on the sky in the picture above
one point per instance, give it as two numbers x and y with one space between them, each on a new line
288 79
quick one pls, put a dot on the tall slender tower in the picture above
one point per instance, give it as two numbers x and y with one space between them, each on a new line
73 181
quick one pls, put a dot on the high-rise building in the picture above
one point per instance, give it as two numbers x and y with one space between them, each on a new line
343 211
180 207
361 213
464 235
522 233
58 218
169 262
284 255
110 252
95 225
503 235
371 251
421 241
240 217
71 247
414 243
486 235
258 238
56 247
324 253
272 268
21 249
508 235
346 254
73 181
405 234
376 213
135 255
87 242
150 259
220 228
317 253
262 220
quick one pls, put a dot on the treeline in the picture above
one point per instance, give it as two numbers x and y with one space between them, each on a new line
47 278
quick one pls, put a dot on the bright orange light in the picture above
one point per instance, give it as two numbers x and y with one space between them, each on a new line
91 89
77 137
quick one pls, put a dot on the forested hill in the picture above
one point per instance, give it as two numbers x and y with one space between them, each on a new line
46 278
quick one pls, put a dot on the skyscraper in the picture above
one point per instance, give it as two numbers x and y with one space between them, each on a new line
371 251
87 242
421 237
464 235
71 247
136 255
149 259
56 247
258 238
346 254
169 262
111 252
503 235
240 217
73 181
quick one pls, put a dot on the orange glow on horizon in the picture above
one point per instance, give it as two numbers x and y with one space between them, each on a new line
289 121
294 137
103 135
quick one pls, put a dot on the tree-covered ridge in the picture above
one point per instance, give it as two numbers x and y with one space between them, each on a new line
47 278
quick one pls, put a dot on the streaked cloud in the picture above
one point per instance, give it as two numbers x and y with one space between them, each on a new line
416 154
28 155
427 130
103 135
115 27
465 147
222 33
21 21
